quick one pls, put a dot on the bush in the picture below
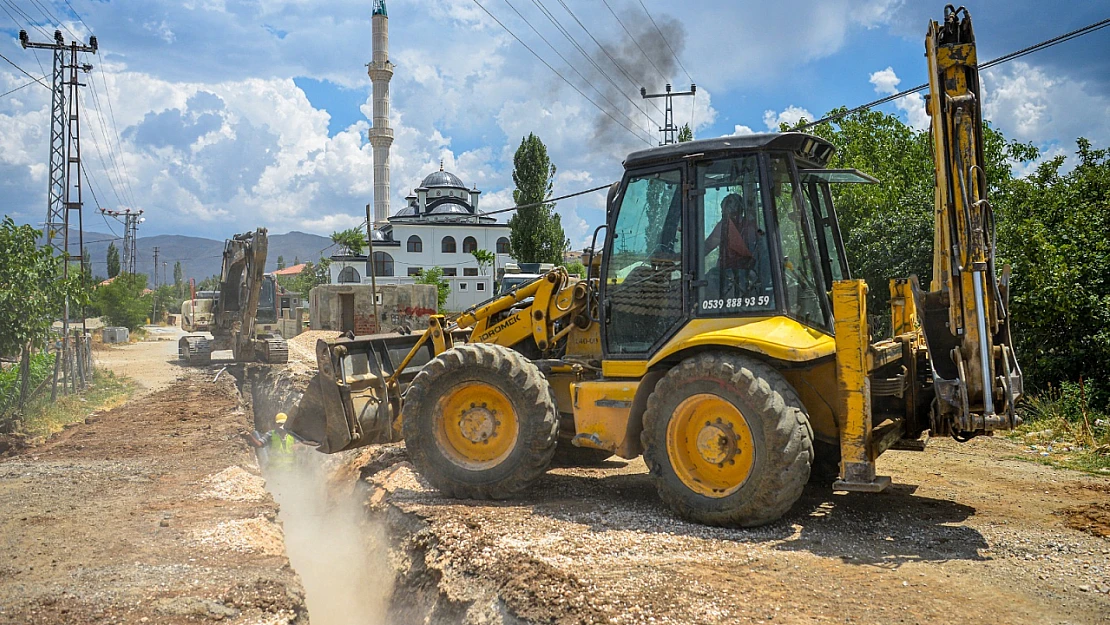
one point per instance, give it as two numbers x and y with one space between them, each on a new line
434 277
122 302
42 366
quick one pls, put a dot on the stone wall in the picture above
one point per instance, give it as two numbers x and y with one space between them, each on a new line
343 307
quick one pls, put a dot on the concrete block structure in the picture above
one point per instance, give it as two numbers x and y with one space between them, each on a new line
350 307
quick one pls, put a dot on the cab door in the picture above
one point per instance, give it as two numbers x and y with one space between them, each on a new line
643 287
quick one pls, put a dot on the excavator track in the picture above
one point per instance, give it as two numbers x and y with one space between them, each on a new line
194 350
275 351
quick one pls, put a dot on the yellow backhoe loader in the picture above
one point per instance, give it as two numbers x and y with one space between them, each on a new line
720 334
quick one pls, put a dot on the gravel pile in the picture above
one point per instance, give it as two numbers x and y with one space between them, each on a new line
235 484
302 349
257 535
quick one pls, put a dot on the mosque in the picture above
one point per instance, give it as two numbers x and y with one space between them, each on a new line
439 226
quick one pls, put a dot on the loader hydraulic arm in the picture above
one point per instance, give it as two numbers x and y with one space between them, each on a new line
554 298
964 313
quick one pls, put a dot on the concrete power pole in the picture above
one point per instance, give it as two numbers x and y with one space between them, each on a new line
155 275
63 198
380 135
668 129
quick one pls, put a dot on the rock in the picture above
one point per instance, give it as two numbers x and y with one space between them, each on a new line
1085 588
164 523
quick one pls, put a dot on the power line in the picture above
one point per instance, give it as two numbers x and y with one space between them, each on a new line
78 15
569 64
1048 43
108 145
547 201
574 42
52 18
29 19
12 63
17 89
632 81
556 72
629 33
664 38
115 129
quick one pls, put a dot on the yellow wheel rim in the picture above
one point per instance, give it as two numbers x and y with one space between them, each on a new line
710 445
476 426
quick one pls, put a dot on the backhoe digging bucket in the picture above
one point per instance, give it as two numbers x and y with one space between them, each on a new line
349 403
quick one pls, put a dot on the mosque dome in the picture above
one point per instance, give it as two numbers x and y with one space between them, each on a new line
442 179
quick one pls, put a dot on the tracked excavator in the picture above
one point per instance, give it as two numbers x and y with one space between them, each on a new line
719 334
245 293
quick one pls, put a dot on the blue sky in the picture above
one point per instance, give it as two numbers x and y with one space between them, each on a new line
220 115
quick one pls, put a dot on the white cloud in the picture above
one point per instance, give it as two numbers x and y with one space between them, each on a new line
913 105
1029 104
791 115
741 129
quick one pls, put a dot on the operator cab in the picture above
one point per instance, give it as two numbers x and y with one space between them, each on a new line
723 228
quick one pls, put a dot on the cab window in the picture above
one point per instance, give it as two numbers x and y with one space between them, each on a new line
805 295
734 260
643 280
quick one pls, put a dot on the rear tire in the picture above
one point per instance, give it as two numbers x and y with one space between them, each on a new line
727 441
480 422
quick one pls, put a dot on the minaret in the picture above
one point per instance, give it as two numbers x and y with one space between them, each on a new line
381 135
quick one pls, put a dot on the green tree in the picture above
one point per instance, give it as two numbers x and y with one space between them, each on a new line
178 280
536 233
434 277
577 269
685 134
1053 227
888 227
296 260
166 301
113 260
86 268
211 283
32 294
314 275
485 260
351 240
123 302
281 262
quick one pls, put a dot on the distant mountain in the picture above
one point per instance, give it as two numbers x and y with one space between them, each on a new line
200 257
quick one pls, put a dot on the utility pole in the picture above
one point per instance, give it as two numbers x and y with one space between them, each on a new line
64 178
668 129
373 268
131 221
154 295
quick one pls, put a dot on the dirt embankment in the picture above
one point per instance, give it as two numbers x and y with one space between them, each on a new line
967 535
153 512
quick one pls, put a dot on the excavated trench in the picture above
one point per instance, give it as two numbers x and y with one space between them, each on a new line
361 561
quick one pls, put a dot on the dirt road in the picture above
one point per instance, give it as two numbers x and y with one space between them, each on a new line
152 512
967 536
150 363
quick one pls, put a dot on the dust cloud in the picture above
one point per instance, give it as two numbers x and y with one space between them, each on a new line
341 557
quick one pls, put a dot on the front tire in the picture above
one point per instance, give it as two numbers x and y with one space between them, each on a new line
727 441
480 422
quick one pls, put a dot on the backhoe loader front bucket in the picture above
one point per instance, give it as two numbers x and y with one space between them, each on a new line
350 403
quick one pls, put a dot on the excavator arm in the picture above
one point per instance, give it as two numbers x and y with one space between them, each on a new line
235 310
964 313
